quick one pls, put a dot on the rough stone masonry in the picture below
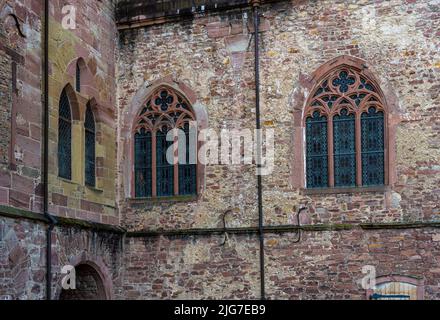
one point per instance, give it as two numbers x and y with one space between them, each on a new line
127 248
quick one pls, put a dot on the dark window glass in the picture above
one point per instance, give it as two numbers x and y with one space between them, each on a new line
64 138
317 151
143 165
344 149
373 166
165 170
78 77
90 166
187 171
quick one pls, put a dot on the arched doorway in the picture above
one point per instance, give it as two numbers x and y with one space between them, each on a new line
89 285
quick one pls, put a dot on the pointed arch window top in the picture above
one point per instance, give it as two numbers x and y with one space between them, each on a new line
64 109
345 87
165 108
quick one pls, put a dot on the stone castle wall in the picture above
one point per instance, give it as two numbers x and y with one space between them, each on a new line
23 258
209 57
213 55
22 225
20 106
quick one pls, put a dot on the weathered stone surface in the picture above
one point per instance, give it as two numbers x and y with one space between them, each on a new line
212 55
22 258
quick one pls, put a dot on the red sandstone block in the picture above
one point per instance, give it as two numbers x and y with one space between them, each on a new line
28 144
5 179
99 172
35 131
81 215
104 219
94 217
32 160
67 212
31 110
4 196
23 130
36 7
217 29
59 199
22 184
113 220
91 206
19 199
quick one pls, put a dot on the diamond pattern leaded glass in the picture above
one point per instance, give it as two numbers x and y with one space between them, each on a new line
143 164
187 172
165 170
373 147
90 164
344 149
317 154
64 138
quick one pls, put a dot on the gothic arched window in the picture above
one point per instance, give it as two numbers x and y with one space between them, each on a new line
90 142
157 171
345 131
65 137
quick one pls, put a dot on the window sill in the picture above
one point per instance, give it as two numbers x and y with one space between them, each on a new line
65 180
356 190
172 199
94 189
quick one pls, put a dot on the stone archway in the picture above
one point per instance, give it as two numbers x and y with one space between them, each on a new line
89 285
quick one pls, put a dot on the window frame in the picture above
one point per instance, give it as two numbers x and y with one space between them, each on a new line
89 110
343 101
188 115
64 95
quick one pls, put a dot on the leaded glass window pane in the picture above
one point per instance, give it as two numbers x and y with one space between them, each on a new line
187 172
317 151
64 138
143 163
90 147
373 130
344 149
165 170
78 77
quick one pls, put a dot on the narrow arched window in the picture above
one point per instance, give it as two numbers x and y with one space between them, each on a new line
345 131
90 147
157 169
65 138
78 77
